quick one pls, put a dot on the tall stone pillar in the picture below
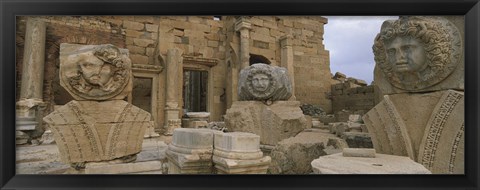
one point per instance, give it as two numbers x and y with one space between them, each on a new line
243 26
287 60
172 109
31 92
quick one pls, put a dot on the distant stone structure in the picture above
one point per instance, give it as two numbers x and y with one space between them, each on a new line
423 55
262 82
98 125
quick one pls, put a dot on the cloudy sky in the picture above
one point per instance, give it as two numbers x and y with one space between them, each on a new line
349 40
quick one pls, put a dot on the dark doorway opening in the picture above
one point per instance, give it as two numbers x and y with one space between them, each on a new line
195 90
258 59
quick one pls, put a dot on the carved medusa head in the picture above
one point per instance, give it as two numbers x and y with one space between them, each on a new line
96 72
417 52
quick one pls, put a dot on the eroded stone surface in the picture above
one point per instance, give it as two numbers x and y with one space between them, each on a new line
273 123
97 131
294 155
95 72
191 151
239 153
419 54
264 82
381 164
426 127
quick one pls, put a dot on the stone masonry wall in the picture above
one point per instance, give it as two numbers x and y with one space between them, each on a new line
348 96
199 37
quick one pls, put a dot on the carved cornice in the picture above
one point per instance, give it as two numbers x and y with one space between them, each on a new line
200 61
147 68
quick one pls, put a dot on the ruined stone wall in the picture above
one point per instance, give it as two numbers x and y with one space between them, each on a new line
311 60
348 96
202 39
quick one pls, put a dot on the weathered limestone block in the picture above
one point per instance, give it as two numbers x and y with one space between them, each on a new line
426 127
294 155
358 139
263 82
95 72
195 120
123 168
21 138
359 152
191 151
273 123
88 131
326 119
440 61
381 164
239 153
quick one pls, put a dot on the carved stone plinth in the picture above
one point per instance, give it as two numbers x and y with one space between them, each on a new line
239 153
87 131
273 123
190 152
428 128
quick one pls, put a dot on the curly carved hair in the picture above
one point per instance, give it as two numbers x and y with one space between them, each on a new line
436 41
271 87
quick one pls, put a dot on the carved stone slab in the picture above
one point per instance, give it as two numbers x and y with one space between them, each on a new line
434 125
443 144
273 123
264 82
95 72
419 54
87 131
388 130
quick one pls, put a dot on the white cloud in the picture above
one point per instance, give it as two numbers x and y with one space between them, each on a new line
349 40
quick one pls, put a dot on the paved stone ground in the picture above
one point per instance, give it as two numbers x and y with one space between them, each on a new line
44 159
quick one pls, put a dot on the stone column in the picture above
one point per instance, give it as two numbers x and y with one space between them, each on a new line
243 26
31 92
287 60
174 66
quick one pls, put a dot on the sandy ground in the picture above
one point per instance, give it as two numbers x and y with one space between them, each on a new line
45 159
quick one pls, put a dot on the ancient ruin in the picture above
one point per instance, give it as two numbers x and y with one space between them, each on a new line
234 95
263 108
422 55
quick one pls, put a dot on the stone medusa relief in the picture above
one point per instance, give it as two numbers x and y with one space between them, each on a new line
94 72
263 82
417 52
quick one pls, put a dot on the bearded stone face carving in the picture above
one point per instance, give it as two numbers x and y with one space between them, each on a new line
417 52
95 72
263 82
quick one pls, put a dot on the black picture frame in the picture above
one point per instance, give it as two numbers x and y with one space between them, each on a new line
10 8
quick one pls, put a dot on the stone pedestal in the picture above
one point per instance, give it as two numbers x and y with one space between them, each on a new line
88 131
426 127
239 153
380 164
195 120
190 152
273 123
